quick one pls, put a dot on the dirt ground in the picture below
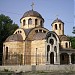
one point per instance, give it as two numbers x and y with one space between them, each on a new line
37 73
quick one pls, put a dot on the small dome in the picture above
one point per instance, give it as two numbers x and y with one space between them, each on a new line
31 13
64 38
14 37
57 20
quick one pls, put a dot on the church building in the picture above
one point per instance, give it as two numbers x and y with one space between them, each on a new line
33 44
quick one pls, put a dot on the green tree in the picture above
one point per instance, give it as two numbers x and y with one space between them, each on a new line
7 27
72 39
73 30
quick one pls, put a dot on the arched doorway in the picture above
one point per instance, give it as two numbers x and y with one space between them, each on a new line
64 58
73 58
51 58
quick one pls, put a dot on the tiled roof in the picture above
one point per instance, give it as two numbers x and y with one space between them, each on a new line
39 36
64 38
14 37
32 13
57 20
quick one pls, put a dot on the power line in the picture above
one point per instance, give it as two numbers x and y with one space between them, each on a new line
10 12
21 14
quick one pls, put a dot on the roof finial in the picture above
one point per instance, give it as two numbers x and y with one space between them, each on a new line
57 16
32 5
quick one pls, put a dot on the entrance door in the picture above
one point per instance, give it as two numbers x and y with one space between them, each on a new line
51 58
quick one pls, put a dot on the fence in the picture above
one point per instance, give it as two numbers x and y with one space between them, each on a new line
19 59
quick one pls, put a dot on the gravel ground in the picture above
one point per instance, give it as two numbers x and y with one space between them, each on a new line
36 73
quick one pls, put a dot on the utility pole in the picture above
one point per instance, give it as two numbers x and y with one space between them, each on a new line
36 56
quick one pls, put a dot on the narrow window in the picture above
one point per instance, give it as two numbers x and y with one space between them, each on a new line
36 21
51 41
41 23
23 22
40 31
48 49
30 21
66 45
6 53
56 26
20 31
60 26
44 31
69 44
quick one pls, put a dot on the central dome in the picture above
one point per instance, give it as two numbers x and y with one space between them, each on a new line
32 13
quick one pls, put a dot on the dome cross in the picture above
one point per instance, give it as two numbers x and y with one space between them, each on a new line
32 5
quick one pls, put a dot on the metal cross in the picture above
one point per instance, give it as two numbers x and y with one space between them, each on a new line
57 16
32 5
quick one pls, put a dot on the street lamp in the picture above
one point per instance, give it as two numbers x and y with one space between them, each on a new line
36 56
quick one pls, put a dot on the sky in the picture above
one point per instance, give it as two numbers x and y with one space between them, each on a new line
49 9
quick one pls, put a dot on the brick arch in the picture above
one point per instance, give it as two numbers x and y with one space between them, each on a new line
64 58
53 34
35 31
23 33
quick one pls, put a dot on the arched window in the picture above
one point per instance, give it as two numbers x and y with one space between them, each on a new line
30 21
51 41
20 31
41 23
66 44
6 53
60 26
48 49
36 21
24 22
69 44
55 26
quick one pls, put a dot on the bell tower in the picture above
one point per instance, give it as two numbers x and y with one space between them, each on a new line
58 27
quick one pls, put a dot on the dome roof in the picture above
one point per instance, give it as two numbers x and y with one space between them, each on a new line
14 37
57 20
32 13
64 38
39 36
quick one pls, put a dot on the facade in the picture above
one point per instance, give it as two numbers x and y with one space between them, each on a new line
32 44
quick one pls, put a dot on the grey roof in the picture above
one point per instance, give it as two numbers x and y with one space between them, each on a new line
57 20
39 36
63 38
32 13
14 37
27 31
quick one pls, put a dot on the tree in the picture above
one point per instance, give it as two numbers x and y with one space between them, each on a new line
73 30
7 27
72 39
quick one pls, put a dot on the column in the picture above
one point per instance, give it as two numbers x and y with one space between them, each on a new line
54 58
70 58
